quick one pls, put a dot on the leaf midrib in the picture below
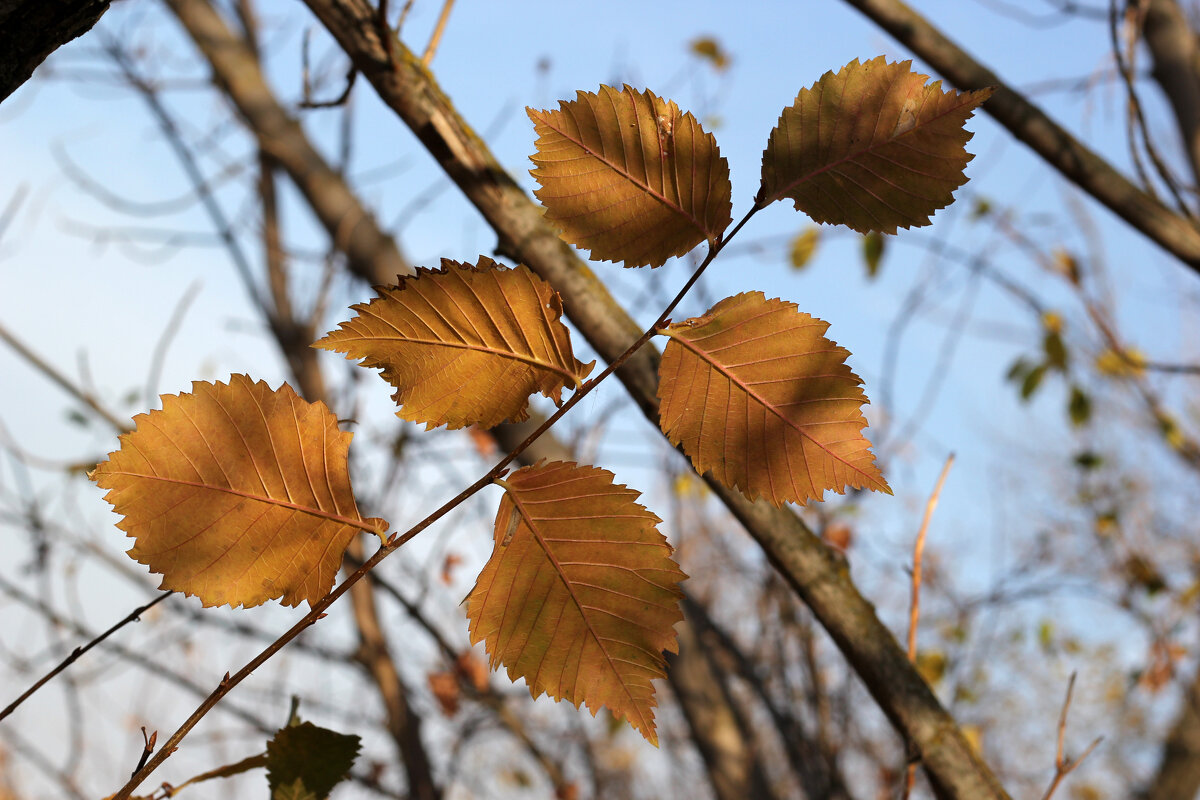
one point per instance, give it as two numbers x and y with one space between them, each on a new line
727 372
315 512
534 361
517 505
624 173
856 154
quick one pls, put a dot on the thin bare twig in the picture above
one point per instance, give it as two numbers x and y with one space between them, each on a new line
1136 119
12 207
306 81
159 356
1063 766
133 616
438 29
914 613
65 383
187 159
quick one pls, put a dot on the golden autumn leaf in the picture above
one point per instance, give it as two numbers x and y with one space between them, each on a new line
237 494
580 595
753 391
629 177
464 345
871 147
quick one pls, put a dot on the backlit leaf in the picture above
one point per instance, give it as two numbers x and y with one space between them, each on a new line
237 494
872 248
871 147
1033 379
803 246
754 392
296 790
1079 407
464 345
316 758
580 595
629 177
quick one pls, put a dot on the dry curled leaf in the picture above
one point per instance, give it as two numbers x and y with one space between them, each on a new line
629 177
753 391
580 595
237 494
871 147
464 345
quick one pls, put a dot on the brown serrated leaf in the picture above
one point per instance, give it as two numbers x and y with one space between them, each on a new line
629 177
464 345
237 494
871 147
583 599
754 392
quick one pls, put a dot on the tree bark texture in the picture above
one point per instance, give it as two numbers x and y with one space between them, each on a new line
30 30
1176 55
818 575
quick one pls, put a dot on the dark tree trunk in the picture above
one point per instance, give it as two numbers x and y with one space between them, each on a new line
30 30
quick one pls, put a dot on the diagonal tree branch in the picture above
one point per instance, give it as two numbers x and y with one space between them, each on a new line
30 30
812 570
1031 125
370 252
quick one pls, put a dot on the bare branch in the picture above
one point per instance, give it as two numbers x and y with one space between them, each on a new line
436 37
48 369
1063 765
30 30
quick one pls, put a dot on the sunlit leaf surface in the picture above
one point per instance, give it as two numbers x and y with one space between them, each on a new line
753 391
580 595
464 345
871 147
237 494
629 177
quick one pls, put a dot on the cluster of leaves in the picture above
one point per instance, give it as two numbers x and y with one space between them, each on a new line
238 494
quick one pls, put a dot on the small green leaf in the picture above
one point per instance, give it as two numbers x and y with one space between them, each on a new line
804 245
314 758
981 208
872 246
1046 635
1088 460
296 790
1079 408
1019 369
1056 351
1032 380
